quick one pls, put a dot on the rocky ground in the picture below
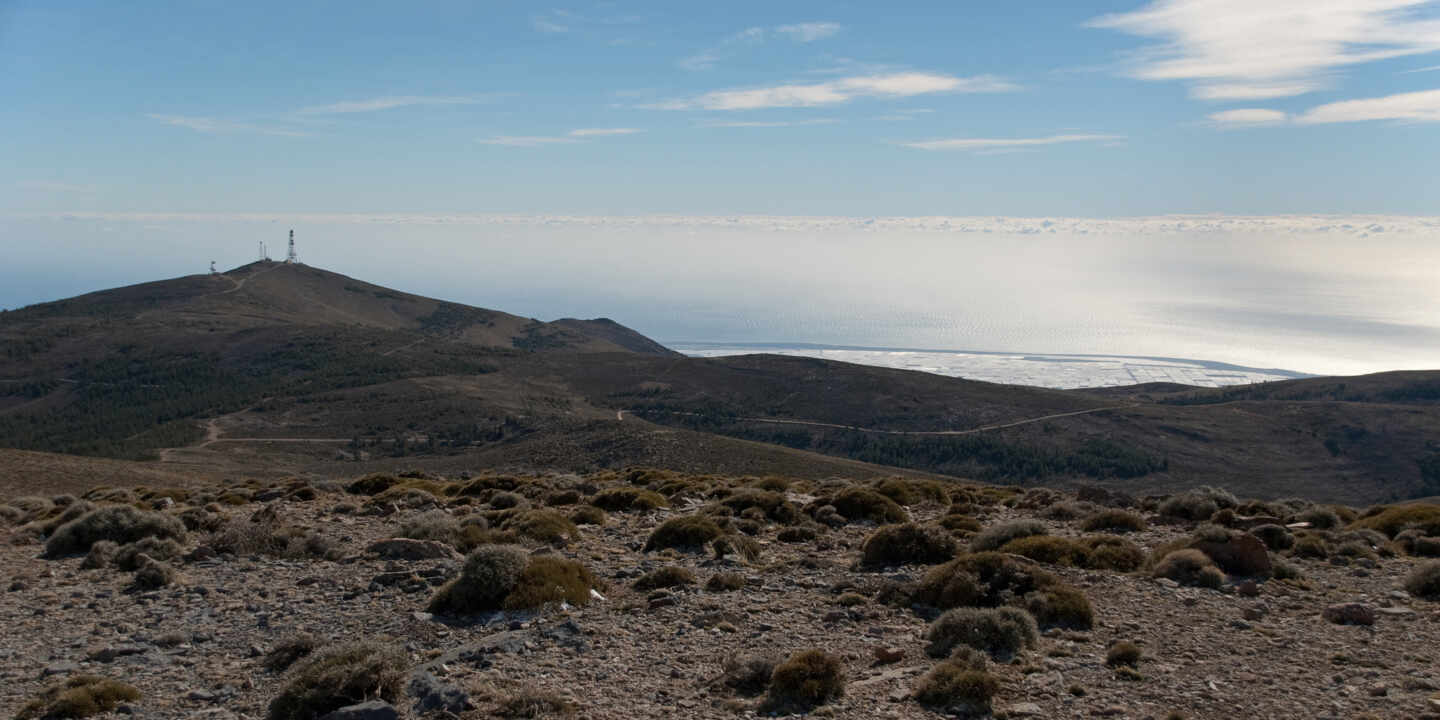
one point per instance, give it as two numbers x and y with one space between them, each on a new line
195 647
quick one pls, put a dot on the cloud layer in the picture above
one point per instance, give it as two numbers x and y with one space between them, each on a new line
992 144
835 92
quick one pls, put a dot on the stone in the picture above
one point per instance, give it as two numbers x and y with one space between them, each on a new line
1243 554
408 549
1025 709
888 655
59 668
1352 613
1247 588
432 693
109 654
373 710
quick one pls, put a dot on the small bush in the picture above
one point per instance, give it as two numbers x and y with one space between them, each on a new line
1049 549
1190 567
436 525
959 523
506 500
101 555
1275 537
1123 653
487 577
665 577
1319 518
1001 632
905 491
546 526
153 574
1114 521
536 703
1424 581
725 582
1107 552
1060 606
684 532
1310 546
339 676
906 544
765 503
289 651
993 538
563 497
589 515
952 687
373 484
796 534
1397 518
1283 570
127 557
78 697
749 673
1191 505
549 579
807 679
117 523
1065 510
625 499
856 504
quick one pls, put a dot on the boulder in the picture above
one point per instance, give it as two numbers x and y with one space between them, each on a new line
1243 554
373 710
1352 613
432 693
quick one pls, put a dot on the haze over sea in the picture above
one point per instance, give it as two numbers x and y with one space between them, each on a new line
1309 294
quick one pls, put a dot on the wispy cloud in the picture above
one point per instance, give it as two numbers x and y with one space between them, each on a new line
1423 106
554 21
1248 50
997 144
807 32
217 126
894 85
769 123
390 102
1432 68
1247 117
574 136
810 31
54 186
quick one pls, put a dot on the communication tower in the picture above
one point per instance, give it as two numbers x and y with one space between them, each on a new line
290 257
213 271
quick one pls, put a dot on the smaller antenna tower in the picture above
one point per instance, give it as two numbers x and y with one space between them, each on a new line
213 271
290 257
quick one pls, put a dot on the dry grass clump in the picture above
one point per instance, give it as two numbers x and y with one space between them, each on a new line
1123 653
906 544
625 499
487 577
436 525
1190 567
796 534
153 574
1424 581
953 688
372 484
1114 520
725 582
1049 549
338 676
1310 545
756 504
1062 606
665 577
127 557
504 500
996 536
806 680
1416 543
684 532
957 523
546 526
101 555
589 515
1107 552
1394 519
1191 505
1275 537
1319 518
906 491
289 651
117 523
861 504
78 697
1000 632
991 579
535 703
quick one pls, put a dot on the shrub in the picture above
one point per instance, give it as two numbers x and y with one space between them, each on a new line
1060 606
1275 537
1123 653
546 526
1108 552
950 686
1319 518
684 532
1190 567
906 544
288 651
1220 496
153 574
767 504
905 491
959 523
436 525
78 697
1285 571
1065 510
1191 505
563 497
588 515
488 575
549 579
127 557
1394 519
982 579
805 680
1001 632
372 484
994 537
796 534
1115 521
623 499
536 703
101 555
117 523
1414 543
1310 546
339 676
505 500
665 577
857 504
1424 581
1049 549
748 673
725 581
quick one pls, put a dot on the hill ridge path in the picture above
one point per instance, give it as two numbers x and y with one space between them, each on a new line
619 415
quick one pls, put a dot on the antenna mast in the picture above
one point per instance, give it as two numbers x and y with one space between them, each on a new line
290 257
213 271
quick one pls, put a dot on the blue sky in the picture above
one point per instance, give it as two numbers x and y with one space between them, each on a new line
923 108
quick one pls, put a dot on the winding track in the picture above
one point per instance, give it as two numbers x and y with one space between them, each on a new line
878 431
